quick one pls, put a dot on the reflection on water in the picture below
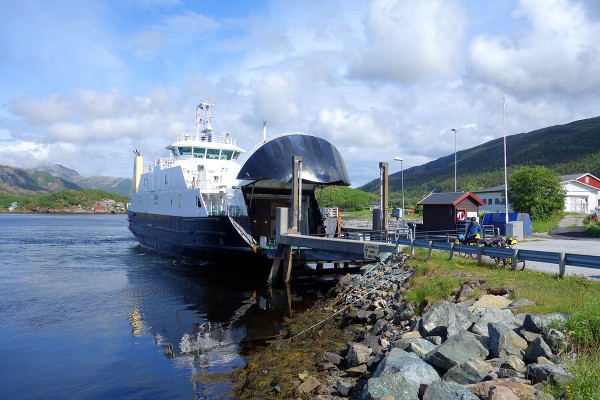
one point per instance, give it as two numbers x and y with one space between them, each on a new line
88 313
204 317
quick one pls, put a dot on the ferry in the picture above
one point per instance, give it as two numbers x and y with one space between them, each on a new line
211 200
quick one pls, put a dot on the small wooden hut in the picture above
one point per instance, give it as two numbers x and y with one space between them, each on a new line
442 211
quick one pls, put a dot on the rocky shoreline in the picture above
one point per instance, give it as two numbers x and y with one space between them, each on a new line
462 348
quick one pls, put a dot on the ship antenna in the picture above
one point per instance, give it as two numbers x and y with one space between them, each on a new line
264 132
199 118
208 122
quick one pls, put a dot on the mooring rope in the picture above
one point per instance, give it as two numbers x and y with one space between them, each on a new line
360 297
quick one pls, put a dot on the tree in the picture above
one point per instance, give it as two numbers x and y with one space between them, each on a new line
536 190
346 198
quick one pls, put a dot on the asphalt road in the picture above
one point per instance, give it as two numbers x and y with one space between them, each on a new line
569 237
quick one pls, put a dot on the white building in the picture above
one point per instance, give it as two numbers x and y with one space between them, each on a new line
493 198
583 192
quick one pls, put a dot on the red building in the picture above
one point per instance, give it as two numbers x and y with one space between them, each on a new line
441 211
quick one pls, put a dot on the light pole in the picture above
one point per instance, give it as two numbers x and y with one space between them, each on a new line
402 181
455 132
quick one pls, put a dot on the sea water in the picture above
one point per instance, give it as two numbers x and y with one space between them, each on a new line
88 313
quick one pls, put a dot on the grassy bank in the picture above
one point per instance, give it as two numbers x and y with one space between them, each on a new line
592 227
436 279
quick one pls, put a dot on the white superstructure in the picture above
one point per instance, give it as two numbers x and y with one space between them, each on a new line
197 179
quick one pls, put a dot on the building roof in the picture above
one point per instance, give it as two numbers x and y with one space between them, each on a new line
499 188
574 177
448 198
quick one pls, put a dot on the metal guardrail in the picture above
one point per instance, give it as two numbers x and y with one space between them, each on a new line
581 260
561 259
445 242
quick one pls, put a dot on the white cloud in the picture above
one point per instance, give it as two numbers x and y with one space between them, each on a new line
52 109
559 53
274 97
378 79
408 41
31 154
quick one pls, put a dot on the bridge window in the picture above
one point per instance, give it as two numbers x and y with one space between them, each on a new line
212 154
199 152
185 151
236 154
226 154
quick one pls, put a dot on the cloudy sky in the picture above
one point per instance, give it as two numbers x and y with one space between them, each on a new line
83 83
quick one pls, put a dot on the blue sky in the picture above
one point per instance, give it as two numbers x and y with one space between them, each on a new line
84 83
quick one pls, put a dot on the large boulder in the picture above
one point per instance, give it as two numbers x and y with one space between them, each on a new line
445 319
482 317
544 372
472 371
513 362
505 342
447 390
540 323
414 369
537 348
521 390
556 340
457 350
409 345
492 301
357 354
394 386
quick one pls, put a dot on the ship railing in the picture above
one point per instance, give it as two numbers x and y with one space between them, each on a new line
210 137
164 162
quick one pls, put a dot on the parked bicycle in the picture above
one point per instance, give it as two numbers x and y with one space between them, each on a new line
506 243
469 240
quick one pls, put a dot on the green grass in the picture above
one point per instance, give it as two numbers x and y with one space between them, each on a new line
592 227
61 199
545 224
434 277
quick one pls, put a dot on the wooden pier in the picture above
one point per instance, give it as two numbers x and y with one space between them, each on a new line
318 249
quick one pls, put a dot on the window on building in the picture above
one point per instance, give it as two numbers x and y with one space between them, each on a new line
497 201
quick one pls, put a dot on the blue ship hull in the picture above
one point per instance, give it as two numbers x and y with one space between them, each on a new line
212 239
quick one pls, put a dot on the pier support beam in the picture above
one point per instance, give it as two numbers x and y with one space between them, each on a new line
287 264
276 264
297 193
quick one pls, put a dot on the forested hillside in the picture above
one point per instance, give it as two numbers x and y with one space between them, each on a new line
566 149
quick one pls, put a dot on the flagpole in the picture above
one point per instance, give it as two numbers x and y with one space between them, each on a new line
505 173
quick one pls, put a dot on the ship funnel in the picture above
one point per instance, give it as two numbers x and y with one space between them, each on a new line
138 165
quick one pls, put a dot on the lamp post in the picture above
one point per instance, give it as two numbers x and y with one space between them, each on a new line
402 181
455 132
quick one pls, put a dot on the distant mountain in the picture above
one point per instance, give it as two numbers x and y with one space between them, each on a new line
59 171
566 149
110 184
50 178
27 181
